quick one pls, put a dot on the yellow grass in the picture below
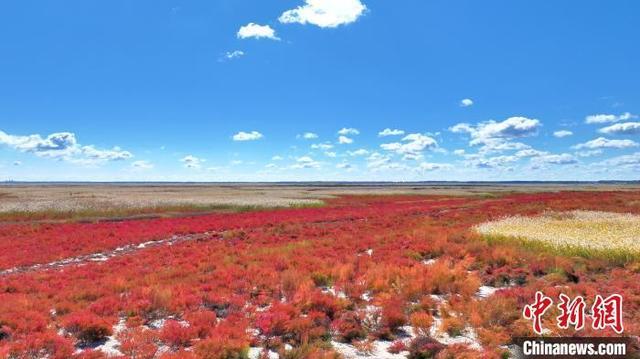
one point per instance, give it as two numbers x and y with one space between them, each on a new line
588 233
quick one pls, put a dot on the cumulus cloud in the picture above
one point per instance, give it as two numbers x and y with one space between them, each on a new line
625 128
602 142
466 102
555 159
491 162
142 165
191 161
360 152
322 146
377 161
513 127
115 154
427 166
344 165
256 31
331 154
390 132
589 153
308 136
247 136
530 152
306 162
348 131
562 133
325 13
344 140
63 146
230 55
495 136
55 145
626 160
603 118
276 158
412 146
459 152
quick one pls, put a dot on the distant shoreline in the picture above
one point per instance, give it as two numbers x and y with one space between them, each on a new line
319 183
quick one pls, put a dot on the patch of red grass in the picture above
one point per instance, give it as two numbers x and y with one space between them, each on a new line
299 278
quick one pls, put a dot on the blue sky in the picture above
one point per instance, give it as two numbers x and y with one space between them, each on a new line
226 90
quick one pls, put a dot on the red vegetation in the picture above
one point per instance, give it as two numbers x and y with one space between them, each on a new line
290 281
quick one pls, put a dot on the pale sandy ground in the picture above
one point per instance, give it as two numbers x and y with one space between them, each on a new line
66 198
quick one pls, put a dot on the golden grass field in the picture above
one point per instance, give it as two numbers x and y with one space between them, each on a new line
588 233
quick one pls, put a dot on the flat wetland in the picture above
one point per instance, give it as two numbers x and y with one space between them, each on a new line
54 201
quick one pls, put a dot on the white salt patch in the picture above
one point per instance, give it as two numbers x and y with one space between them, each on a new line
157 324
468 337
333 292
254 353
486 291
111 348
380 350
429 262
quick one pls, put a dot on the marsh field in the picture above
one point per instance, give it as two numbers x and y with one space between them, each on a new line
307 270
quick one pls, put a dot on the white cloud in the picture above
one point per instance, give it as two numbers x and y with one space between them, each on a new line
256 31
344 165
330 154
390 132
589 153
626 160
142 165
192 161
492 131
306 162
459 152
55 145
247 136
378 161
530 152
322 146
602 142
625 128
426 166
325 13
360 152
230 55
499 145
308 136
348 131
412 146
562 133
466 102
115 154
63 146
344 140
276 158
492 162
555 159
602 118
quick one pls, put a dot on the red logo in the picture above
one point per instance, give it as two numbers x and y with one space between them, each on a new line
605 312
